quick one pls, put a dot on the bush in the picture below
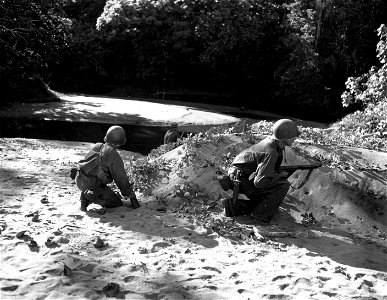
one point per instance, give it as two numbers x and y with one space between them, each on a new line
370 88
368 127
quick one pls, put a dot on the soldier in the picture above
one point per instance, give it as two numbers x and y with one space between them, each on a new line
101 166
259 179
172 134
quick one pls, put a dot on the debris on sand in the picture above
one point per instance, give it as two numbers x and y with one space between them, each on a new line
99 243
67 271
112 289
21 234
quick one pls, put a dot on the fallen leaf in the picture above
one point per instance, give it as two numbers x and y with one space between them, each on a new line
67 271
20 234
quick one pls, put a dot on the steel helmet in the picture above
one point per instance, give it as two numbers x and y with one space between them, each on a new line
285 129
115 135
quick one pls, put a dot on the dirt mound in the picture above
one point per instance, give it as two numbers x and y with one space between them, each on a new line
347 193
350 192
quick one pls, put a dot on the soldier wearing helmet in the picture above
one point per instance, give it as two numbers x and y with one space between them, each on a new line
260 180
101 166
172 134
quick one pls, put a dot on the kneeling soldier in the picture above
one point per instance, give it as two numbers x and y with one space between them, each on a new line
256 173
103 165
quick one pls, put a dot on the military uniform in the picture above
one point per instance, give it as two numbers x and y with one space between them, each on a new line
258 167
171 136
103 165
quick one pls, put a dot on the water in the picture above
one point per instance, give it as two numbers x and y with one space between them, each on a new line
140 138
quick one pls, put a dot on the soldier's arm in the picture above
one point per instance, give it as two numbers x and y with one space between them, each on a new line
117 170
265 174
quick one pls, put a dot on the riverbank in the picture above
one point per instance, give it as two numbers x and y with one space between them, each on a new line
86 118
83 108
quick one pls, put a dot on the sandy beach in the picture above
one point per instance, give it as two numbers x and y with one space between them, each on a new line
179 244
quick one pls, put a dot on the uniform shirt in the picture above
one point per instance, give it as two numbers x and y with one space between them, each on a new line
264 159
171 136
111 168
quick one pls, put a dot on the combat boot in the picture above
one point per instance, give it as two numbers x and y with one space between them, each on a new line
261 220
226 205
84 202
231 209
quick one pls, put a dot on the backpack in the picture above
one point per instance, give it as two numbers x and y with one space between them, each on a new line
91 164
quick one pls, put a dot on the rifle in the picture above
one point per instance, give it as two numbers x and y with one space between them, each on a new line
235 191
294 168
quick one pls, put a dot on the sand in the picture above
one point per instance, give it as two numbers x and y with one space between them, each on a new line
178 244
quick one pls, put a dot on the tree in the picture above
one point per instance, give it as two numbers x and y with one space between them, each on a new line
299 82
81 64
151 38
201 44
237 40
31 34
324 42
370 91
371 87
347 39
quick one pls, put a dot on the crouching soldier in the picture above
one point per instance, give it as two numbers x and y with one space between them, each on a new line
172 135
103 165
255 172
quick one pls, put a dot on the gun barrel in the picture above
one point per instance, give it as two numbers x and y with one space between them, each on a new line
299 167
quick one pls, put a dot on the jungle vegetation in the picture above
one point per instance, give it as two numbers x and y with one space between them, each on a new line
318 60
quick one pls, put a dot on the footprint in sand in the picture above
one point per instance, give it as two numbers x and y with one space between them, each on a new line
55 271
10 288
282 284
129 278
89 268
280 277
211 287
201 277
160 245
154 285
323 278
212 269
359 275
329 294
301 283
366 286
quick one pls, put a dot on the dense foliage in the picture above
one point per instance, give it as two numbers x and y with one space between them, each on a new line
289 56
371 87
32 32
81 67
369 125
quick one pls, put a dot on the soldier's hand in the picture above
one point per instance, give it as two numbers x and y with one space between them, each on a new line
283 174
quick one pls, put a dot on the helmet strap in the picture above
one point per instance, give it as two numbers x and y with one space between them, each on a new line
112 145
